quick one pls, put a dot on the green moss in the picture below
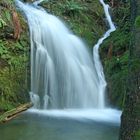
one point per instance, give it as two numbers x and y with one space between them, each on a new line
13 62
2 23
137 135
135 65
137 22
12 86
115 55
85 19
4 106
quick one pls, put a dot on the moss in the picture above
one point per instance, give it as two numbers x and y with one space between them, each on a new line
135 65
115 55
13 61
137 22
137 135
83 17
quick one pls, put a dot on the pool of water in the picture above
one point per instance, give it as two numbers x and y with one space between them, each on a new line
49 126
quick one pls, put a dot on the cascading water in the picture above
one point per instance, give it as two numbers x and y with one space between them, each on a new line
102 82
63 74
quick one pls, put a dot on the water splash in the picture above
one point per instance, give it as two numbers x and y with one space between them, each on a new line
99 115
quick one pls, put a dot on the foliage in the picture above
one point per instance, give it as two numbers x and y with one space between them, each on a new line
137 22
13 62
83 18
135 65
73 7
2 23
11 90
137 135
116 66
117 73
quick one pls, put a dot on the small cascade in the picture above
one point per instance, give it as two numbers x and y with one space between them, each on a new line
96 57
63 74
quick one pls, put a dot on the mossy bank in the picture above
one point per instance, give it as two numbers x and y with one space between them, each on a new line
14 57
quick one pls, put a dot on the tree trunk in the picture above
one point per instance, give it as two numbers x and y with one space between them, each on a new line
130 120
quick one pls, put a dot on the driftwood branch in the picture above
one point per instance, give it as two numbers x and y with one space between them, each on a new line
7 116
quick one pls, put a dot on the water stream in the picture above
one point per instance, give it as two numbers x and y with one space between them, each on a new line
99 68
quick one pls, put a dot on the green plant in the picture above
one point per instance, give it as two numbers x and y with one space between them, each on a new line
2 23
72 7
137 22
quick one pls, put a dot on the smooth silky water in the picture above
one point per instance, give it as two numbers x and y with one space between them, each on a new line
67 85
61 125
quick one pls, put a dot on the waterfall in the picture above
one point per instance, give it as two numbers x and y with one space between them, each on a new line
96 58
63 74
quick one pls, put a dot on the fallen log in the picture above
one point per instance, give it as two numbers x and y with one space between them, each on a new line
7 116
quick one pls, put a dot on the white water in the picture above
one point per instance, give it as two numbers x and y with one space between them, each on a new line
102 82
63 74
99 115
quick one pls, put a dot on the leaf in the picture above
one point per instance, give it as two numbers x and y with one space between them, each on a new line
2 23
7 14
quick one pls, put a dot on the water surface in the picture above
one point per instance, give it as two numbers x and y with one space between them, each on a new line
35 126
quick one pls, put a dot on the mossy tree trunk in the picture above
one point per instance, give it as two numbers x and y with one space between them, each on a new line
130 126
